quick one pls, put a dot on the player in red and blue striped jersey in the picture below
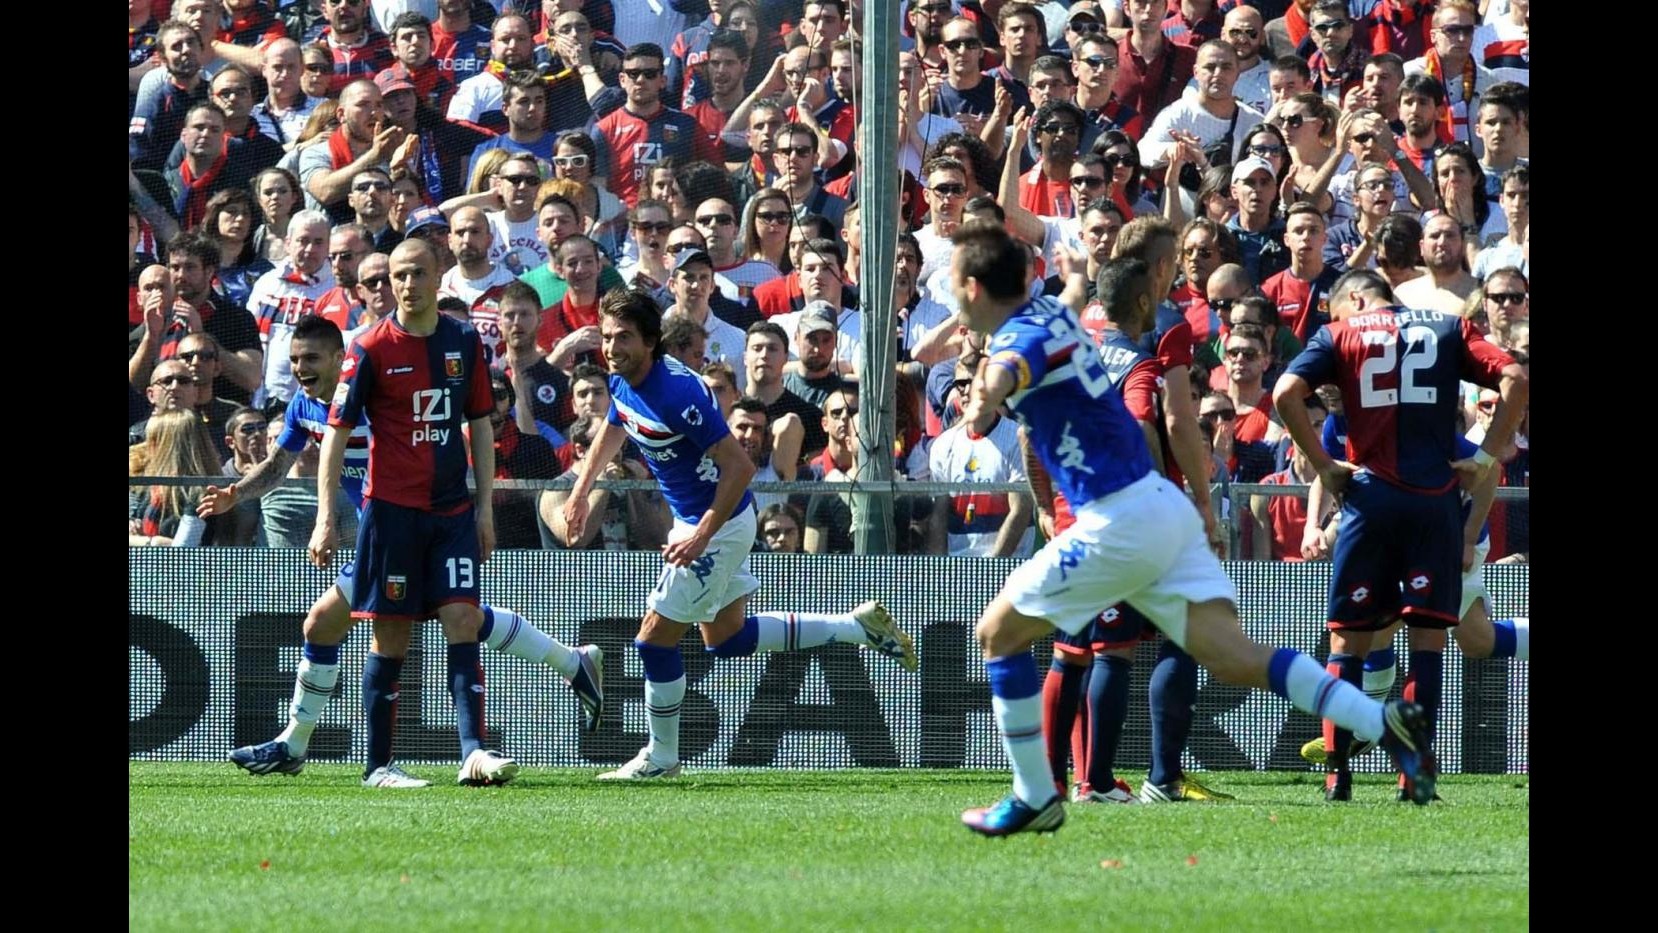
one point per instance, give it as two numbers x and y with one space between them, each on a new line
1398 553
704 473
316 353
1137 538
418 376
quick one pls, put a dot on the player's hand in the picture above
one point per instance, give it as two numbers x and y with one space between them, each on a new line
682 552
216 501
1336 475
575 515
1470 473
485 519
323 542
1312 543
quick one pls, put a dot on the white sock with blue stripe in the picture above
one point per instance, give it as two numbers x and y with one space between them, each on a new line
793 631
1300 680
1016 699
510 633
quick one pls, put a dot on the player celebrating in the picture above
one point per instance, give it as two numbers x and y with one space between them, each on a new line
1398 552
704 473
316 352
1136 538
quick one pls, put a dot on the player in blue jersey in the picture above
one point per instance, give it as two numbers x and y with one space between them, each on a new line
1137 538
704 473
1398 553
316 354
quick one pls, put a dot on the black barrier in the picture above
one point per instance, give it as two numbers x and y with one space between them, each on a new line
214 637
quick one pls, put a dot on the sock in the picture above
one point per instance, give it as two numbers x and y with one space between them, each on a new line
1079 731
1298 678
1513 639
792 631
664 692
1172 695
1013 697
1107 711
1061 690
1346 668
1427 674
510 633
1380 670
466 689
319 671
380 675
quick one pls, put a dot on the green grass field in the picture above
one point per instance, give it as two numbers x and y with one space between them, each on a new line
212 848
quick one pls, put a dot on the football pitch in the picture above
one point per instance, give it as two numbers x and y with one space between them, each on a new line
212 848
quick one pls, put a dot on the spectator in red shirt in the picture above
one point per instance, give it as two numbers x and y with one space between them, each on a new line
1279 522
1045 190
1247 358
1151 70
1302 292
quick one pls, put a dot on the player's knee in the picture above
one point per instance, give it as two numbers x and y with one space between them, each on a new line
391 639
461 622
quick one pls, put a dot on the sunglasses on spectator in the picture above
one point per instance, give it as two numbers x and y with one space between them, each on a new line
662 226
1363 139
684 245
1376 185
190 356
1240 31
715 220
773 217
1085 28
957 45
375 282
795 150
1501 298
1224 414
575 161
1116 160
1267 151
1060 129
251 428
318 68
1293 121
642 74
174 379
518 181
949 189
1086 181
1223 305
842 412
342 256
1457 32
1247 354
1333 25
1099 61
1201 252
371 186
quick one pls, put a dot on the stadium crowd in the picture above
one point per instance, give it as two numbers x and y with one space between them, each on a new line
706 151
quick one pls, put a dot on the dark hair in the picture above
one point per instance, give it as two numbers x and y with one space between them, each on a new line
989 255
1293 63
582 430
907 238
590 371
636 306
553 197
817 227
317 327
519 290
1390 60
1253 332
770 329
1513 271
678 331
1050 62
578 139
985 202
981 165
1267 308
197 246
751 405
1399 242
731 40
1055 105
1332 7
791 130
1465 153
1510 94
646 203
409 19
1520 173
499 378
216 205
1226 242
1363 280
449 304
721 369
242 412
699 181
525 81
1110 139
578 238
1121 283
823 246
645 50
1424 85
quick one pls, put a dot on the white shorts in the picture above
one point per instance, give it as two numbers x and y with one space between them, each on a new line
1473 582
696 593
1143 544
345 580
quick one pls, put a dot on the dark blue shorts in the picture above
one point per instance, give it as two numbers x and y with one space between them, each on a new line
410 562
1398 553
1121 626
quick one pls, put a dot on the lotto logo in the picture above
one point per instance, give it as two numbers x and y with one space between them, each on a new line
1360 594
1110 615
1420 583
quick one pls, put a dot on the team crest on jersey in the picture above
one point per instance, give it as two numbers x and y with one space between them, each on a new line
452 365
397 588
545 393
670 134
692 416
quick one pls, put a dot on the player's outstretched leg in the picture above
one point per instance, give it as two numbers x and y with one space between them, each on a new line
1380 672
1015 696
326 625
869 624
664 692
1215 639
510 633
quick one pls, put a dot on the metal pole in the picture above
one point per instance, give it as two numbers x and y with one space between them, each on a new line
878 183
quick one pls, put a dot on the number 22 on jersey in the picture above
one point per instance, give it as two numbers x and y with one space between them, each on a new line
1421 351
